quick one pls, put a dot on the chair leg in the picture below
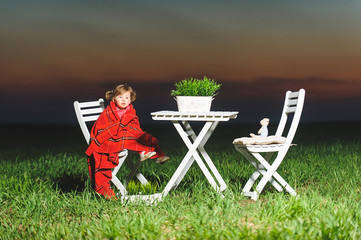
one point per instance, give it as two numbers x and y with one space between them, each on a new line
134 172
122 156
260 169
271 170
290 190
133 169
141 178
251 181
255 196
119 185
268 171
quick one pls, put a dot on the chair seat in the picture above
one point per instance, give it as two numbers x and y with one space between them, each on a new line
262 148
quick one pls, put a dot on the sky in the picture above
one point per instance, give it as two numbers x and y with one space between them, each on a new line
55 52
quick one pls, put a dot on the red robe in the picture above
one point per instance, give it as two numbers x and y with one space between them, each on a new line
110 135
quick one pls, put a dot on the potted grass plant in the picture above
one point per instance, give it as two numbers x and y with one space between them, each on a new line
195 95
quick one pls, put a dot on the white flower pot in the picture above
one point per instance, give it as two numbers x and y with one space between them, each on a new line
194 104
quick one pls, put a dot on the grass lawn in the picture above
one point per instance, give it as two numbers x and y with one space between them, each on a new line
45 190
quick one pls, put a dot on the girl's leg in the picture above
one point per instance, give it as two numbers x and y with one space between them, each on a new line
144 142
101 174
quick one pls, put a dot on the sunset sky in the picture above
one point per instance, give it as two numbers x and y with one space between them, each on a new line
55 52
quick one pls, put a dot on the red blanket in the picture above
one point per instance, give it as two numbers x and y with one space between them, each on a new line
108 137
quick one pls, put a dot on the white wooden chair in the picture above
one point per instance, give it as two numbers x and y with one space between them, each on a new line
89 112
293 105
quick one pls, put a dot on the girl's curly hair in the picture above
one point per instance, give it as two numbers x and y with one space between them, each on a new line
121 89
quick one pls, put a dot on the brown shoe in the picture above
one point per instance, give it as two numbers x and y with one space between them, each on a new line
163 159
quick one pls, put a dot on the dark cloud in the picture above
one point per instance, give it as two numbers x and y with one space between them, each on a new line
326 100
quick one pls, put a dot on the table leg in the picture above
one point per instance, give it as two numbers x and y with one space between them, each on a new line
205 155
198 144
183 166
193 147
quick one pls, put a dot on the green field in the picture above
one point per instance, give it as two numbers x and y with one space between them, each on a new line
45 190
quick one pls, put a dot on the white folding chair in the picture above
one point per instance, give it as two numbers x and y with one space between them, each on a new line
293 105
89 112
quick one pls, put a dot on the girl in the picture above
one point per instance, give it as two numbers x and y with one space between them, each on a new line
118 128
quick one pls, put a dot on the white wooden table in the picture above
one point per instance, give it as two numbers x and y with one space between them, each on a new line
195 144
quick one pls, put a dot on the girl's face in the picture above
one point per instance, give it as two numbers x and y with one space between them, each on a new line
122 100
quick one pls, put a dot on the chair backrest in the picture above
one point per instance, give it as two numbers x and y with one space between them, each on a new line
88 112
293 104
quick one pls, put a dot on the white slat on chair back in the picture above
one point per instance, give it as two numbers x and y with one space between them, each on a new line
293 104
88 112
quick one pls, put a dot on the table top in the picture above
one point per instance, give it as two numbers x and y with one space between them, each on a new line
185 116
